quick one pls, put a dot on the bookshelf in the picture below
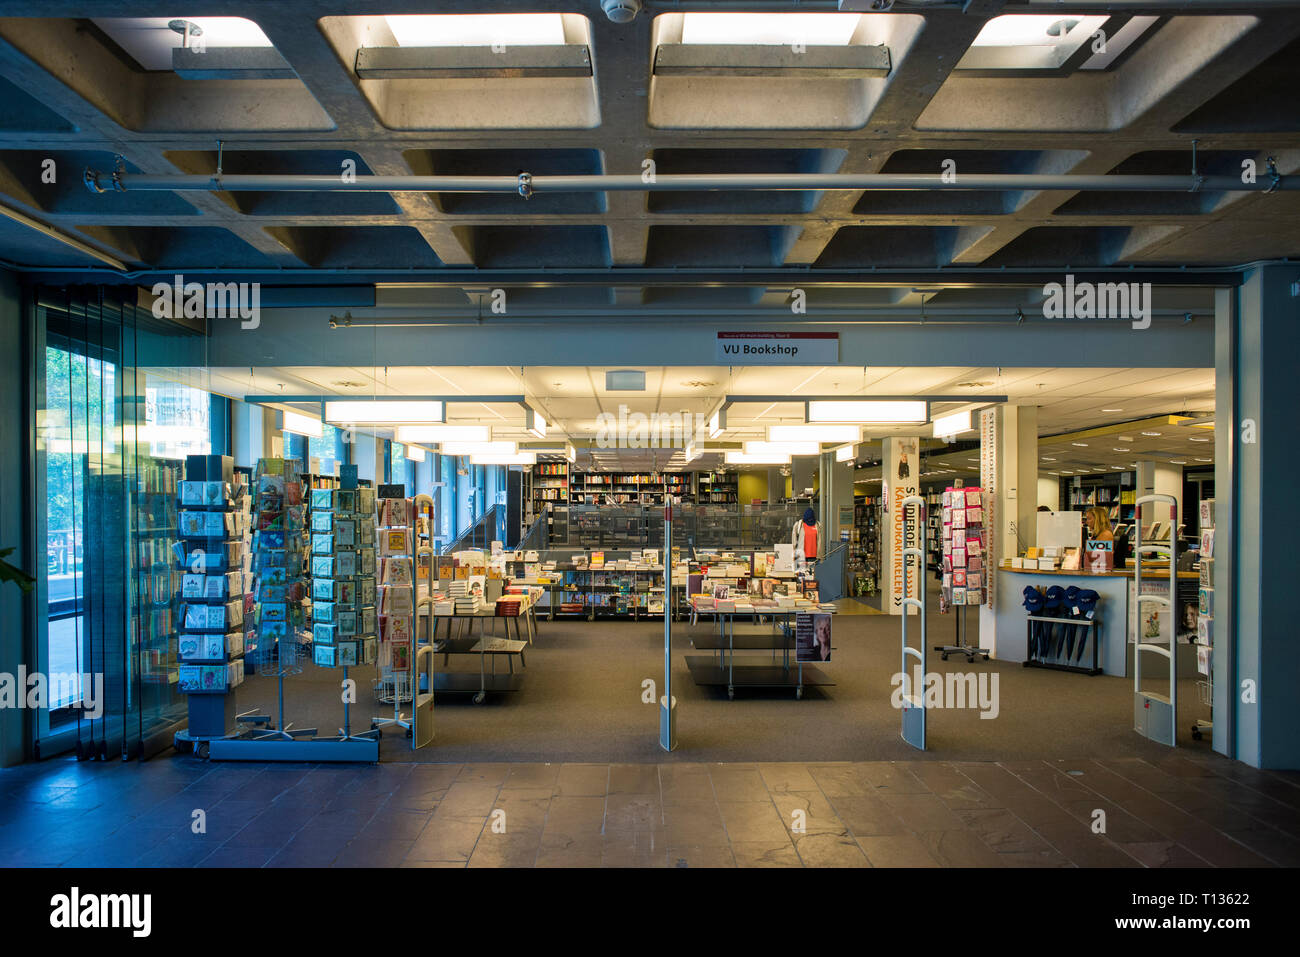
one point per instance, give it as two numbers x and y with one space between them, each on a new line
717 488
550 483
629 488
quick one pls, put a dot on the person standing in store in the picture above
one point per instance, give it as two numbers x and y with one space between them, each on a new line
804 538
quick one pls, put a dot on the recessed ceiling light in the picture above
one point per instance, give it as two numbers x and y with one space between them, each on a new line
1119 449
1199 459
1112 410
1081 445
1046 458
1153 434
1198 438
1178 461
1067 471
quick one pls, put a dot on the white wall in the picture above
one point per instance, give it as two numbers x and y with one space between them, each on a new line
1049 492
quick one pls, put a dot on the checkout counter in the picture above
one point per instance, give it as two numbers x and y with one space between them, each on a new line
1115 607
1114 611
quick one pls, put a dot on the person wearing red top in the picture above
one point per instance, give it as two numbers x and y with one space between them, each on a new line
804 538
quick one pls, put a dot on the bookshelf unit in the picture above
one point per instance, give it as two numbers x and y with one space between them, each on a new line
629 488
717 488
549 483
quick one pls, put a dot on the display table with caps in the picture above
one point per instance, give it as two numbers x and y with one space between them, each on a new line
1114 613
720 668
466 634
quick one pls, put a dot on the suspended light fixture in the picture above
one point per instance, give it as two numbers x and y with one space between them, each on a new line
745 458
480 448
875 411
813 433
383 411
444 433
303 425
782 448
535 424
518 458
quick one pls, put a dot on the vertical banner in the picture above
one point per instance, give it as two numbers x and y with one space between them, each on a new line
901 477
989 482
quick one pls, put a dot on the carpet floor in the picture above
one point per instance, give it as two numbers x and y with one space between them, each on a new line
582 701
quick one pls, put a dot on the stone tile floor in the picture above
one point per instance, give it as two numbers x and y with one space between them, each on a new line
1196 811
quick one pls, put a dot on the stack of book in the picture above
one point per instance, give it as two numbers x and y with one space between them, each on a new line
508 607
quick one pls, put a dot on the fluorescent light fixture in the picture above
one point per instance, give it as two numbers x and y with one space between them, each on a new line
303 425
844 454
691 453
1199 459
1081 445
478 29
717 423
381 412
518 458
782 448
1171 462
1112 410
444 433
570 453
745 458
479 448
1198 438
414 453
1022 29
150 41
535 424
882 411
813 433
953 424
770 29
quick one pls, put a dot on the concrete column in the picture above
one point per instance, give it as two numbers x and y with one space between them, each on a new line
1159 478
252 429
17 518
1049 492
901 478
1256 709
775 486
803 467
1013 501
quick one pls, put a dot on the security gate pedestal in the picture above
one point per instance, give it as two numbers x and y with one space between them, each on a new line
1155 715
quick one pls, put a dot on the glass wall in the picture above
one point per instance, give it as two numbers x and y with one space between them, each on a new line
114 420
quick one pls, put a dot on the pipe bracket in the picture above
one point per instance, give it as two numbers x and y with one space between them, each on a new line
1275 178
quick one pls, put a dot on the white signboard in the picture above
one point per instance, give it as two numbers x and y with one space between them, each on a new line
989 482
777 348
901 479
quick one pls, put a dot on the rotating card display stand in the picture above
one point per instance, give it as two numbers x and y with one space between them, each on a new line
277 563
1155 716
963 564
210 644
344 623
396 585
913 697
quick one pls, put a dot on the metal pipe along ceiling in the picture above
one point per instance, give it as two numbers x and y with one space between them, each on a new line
526 184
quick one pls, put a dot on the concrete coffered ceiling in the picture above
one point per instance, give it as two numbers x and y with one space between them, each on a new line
331 84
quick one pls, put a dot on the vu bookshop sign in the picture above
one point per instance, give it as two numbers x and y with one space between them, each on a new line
777 348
